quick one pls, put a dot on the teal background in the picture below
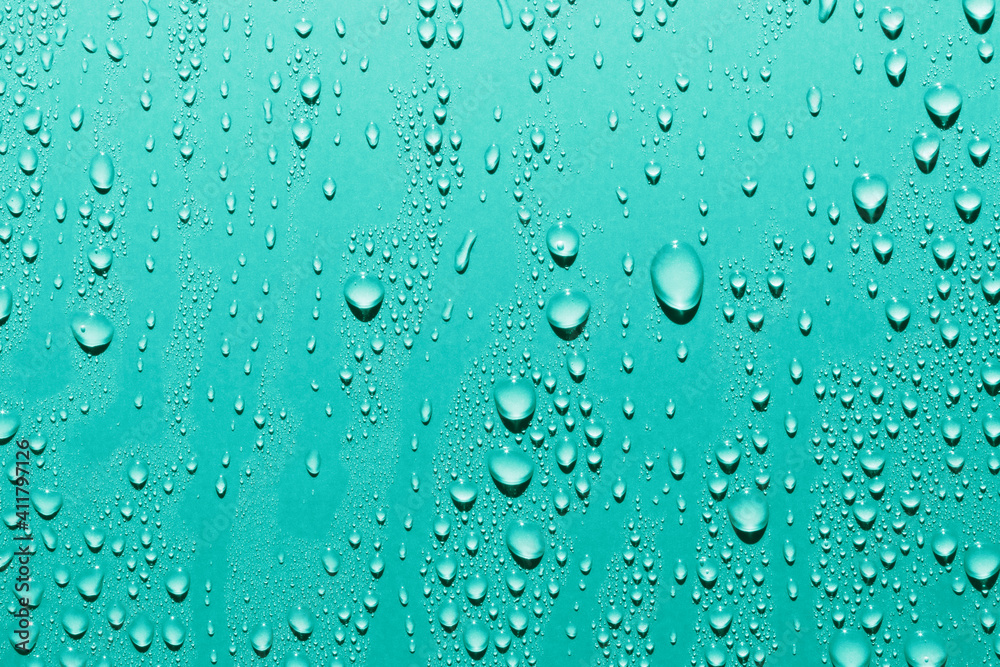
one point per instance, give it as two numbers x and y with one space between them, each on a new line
255 554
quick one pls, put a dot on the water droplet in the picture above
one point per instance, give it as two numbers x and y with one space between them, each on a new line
968 202
563 242
850 649
92 331
826 8
891 19
515 402
870 192
526 544
678 280
943 103
511 471
895 66
979 13
898 313
567 313
364 295
464 252
923 649
102 173
748 513
982 563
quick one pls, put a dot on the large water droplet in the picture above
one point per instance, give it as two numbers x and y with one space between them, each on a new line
982 563
849 648
870 192
678 280
748 512
979 13
141 631
923 649
511 471
364 295
968 202
926 147
515 401
563 242
567 313
102 173
943 102
92 331
526 544
826 8
898 313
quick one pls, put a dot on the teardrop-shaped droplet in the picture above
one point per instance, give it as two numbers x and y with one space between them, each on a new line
882 246
464 252
897 312
748 512
979 14
492 158
926 147
826 8
870 192
895 66
372 135
943 102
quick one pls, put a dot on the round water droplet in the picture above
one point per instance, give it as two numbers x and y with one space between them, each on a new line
178 583
364 295
943 102
923 649
898 313
567 313
141 631
92 331
511 471
968 202
463 494
678 280
979 13
261 639
982 563
748 513
850 648
526 544
310 89
563 242
870 192
515 402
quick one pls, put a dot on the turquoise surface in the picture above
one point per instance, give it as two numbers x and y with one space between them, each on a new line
447 333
